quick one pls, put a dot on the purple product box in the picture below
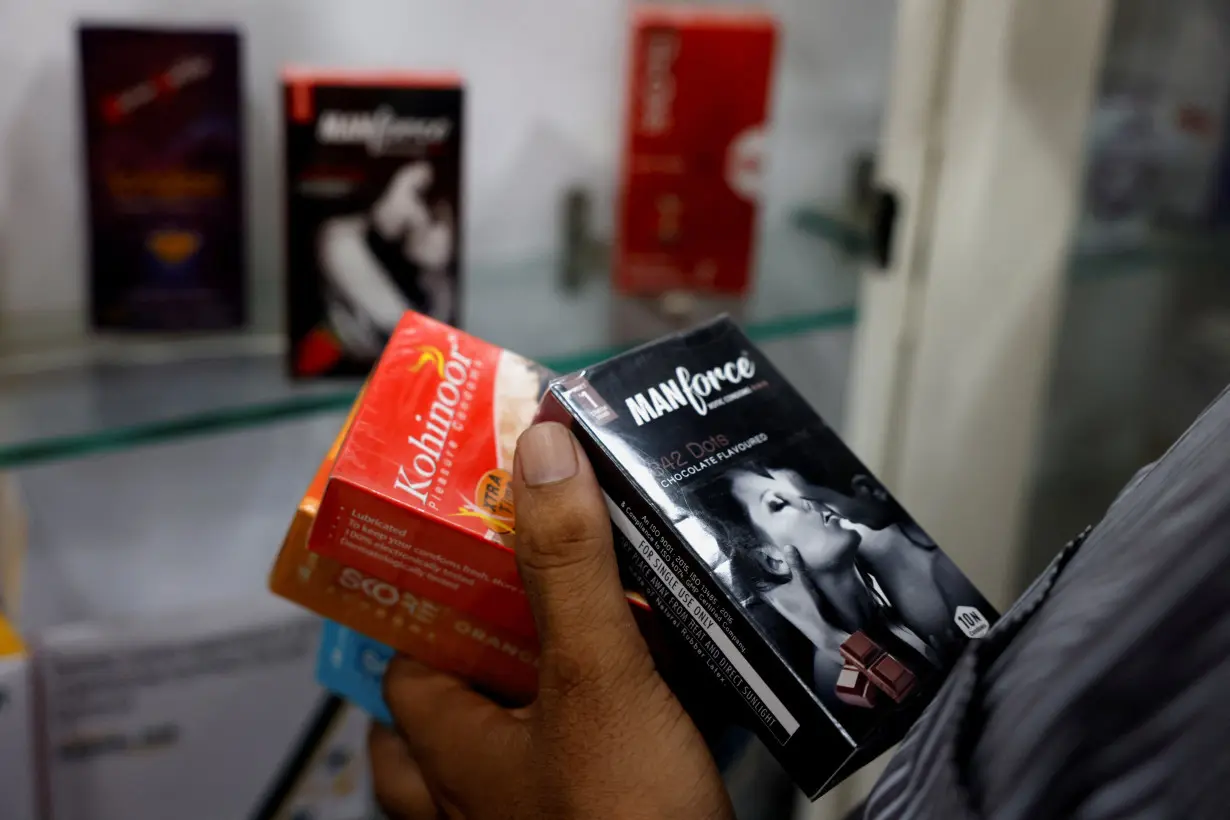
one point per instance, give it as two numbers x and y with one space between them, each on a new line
164 178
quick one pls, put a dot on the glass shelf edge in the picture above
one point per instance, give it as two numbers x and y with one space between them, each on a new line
64 447
1189 248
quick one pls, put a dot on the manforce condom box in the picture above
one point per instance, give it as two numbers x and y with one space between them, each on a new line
373 210
771 555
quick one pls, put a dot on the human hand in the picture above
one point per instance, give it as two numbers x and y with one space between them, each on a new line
605 737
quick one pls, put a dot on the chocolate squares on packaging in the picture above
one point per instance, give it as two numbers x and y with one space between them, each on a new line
779 564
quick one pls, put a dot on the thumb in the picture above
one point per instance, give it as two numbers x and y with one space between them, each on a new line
566 556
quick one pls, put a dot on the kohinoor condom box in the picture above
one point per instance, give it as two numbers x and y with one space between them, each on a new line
404 535
373 210
695 126
164 178
774 559
420 494
427 620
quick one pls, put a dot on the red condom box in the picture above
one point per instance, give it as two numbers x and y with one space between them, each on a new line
420 493
695 127
401 534
416 625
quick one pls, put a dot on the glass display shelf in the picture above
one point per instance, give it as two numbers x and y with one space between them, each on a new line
1098 253
194 521
76 396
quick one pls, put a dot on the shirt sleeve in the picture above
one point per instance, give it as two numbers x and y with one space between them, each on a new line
1102 692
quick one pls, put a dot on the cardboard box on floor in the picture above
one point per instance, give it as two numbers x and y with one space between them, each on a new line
196 715
147 710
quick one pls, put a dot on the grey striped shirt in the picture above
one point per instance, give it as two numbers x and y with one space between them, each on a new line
1104 692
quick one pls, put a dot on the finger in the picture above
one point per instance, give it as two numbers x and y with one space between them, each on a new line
461 741
566 557
397 782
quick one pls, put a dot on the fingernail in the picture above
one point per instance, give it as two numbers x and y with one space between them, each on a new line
547 454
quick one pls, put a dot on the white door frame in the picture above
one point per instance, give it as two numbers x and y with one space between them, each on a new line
986 277
983 144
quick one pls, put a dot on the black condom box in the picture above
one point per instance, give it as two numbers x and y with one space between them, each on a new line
164 178
373 211
775 559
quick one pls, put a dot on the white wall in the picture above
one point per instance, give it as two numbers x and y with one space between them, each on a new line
544 78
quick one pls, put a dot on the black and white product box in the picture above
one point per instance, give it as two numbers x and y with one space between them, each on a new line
373 187
770 552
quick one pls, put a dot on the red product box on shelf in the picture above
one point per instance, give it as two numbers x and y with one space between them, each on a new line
698 94
420 494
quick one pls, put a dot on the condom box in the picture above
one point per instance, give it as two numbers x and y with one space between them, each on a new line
771 554
163 129
373 210
404 535
428 603
351 666
693 147
420 494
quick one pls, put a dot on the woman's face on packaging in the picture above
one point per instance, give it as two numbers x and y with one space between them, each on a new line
777 506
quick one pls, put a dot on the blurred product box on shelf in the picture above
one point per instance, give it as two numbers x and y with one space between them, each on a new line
769 552
164 177
352 666
18 781
373 210
693 148
200 714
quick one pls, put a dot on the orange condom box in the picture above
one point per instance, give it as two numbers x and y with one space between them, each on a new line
405 532
412 501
